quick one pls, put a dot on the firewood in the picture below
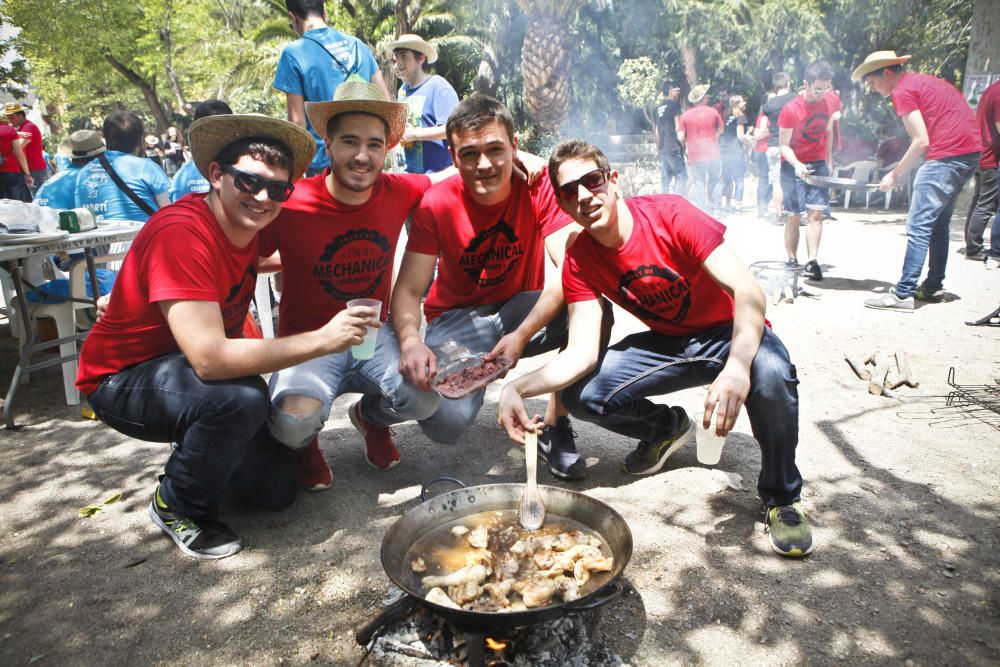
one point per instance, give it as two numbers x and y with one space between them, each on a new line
904 374
877 383
858 366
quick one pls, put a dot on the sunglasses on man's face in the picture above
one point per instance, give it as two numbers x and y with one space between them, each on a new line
251 184
595 181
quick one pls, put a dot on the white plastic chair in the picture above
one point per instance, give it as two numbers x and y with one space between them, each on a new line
860 171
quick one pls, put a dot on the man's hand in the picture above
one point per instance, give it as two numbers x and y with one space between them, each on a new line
802 170
409 136
29 180
102 305
512 415
529 167
349 326
728 392
510 347
888 182
418 364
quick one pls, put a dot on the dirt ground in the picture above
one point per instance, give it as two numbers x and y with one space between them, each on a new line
902 494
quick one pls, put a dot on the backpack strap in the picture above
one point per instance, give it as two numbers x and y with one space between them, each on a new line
146 208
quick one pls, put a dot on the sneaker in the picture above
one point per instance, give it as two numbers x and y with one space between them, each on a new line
380 451
793 265
205 538
890 302
313 471
649 457
812 270
788 530
977 256
557 447
923 294
992 263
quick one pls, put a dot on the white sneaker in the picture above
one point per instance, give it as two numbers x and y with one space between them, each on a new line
991 263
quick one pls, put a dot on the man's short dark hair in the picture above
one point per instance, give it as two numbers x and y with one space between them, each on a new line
212 108
270 151
123 131
895 68
416 55
819 71
780 80
476 112
574 149
305 8
333 124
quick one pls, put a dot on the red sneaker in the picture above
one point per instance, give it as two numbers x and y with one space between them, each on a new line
380 451
314 473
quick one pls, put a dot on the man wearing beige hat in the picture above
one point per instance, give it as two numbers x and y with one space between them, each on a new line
943 131
167 363
699 129
430 99
33 147
60 190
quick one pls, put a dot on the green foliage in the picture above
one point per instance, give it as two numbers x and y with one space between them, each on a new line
638 82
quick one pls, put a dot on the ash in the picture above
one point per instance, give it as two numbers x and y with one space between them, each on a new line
425 639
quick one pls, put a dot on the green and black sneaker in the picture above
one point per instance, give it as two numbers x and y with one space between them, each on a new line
649 457
205 538
788 530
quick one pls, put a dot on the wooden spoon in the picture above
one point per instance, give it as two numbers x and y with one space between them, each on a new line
531 511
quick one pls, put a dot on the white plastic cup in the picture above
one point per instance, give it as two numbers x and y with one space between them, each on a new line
709 444
366 349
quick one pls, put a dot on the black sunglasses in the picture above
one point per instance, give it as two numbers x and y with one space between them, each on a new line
251 184
592 180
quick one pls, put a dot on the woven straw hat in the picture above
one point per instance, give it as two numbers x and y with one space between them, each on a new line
209 135
877 61
14 107
82 143
358 96
698 93
415 43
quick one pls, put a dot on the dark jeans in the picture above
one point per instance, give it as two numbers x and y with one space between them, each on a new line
734 169
12 186
219 430
650 364
984 207
672 168
763 185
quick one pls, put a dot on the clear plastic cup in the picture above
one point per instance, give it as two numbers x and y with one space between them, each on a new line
366 349
709 444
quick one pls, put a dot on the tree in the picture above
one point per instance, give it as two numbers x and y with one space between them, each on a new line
639 85
13 68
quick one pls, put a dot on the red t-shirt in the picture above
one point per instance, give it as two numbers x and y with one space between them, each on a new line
180 254
808 124
332 253
701 125
951 125
761 145
7 136
488 254
988 113
658 274
33 149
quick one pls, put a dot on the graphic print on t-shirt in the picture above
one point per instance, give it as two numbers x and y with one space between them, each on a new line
656 293
814 128
354 265
491 255
234 310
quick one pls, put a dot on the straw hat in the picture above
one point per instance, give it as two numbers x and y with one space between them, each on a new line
14 107
209 135
698 93
415 43
877 61
82 143
152 141
358 96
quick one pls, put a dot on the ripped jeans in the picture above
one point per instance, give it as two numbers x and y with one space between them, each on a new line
649 364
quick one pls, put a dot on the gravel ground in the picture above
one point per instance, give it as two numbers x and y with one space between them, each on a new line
902 493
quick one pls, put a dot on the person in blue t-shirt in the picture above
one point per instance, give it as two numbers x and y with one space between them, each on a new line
311 68
97 190
188 178
60 191
430 99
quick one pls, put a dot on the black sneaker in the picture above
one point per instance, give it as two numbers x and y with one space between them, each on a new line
649 457
924 294
205 539
557 447
812 270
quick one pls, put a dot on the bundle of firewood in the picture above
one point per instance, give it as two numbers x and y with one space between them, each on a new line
878 371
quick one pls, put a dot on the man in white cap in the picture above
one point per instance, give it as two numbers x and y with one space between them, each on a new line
943 131
699 129
167 363
430 99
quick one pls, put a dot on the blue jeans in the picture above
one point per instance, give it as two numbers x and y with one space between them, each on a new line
704 182
479 329
734 168
650 363
763 185
935 190
672 168
219 431
801 197
388 399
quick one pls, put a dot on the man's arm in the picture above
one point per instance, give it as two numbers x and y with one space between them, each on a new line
22 161
198 328
423 133
417 363
162 199
919 142
731 387
295 108
579 358
785 143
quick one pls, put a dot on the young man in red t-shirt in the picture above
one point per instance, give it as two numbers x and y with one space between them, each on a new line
166 362
984 203
488 234
699 129
33 146
805 129
943 131
666 262
15 177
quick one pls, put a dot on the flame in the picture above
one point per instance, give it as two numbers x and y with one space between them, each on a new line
495 645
